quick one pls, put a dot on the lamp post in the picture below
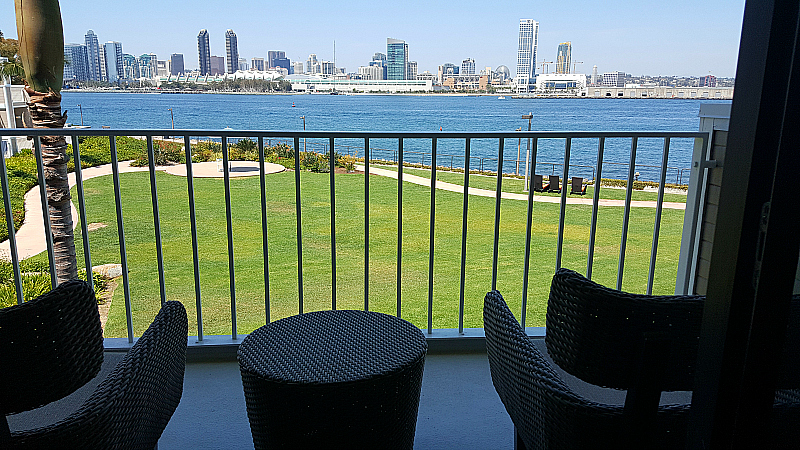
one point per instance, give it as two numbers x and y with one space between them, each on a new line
519 145
172 116
81 109
528 116
304 129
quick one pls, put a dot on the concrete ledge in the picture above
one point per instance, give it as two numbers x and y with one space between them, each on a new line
223 348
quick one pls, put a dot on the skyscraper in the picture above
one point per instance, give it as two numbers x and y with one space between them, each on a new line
411 70
526 54
564 57
93 56
76 67
272 55
282 62
297 67
243 65
232 49
176 64
112 55
217 65
257 64
204 52
148 65
468 66
130 67
311 63
396 59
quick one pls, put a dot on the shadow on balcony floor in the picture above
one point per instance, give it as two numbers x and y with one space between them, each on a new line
459 408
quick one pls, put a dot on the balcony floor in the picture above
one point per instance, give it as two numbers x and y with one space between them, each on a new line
459 407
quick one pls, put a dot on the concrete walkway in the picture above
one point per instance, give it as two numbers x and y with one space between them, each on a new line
422 181
30 236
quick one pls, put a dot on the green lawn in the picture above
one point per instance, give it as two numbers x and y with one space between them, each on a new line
177 244
516 185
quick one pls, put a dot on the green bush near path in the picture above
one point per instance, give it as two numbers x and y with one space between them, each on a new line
281 219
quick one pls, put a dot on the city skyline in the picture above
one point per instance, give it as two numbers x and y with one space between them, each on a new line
618 38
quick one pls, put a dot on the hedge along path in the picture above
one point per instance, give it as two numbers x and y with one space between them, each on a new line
422 181
30 236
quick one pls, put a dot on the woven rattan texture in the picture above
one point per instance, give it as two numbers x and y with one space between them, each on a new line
333 379
545 411
49 347
130 408
595 333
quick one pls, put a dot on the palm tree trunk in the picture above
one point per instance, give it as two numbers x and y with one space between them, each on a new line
45 112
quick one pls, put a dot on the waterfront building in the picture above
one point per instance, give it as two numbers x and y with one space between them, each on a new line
594 75
503 73
162 68
297 68
327 68
371 72
232 50
708 81
614 79
204 52
176 64
526 54
396 59
283 63
466 82
379 60
76 65
243 65
312 83
449 69
130 67
257 63
112 56
468 66
560 82
93 53
425 76
274 55
217 65
564 58
148 65
411 70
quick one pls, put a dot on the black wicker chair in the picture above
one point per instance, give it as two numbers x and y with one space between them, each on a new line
131 407
602 338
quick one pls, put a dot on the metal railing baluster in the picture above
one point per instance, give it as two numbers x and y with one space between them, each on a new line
48 231
112 140
434 143
299 223
366 224
12 237
498 194
193 222
657 225
156 219
264 238
87 259
626 217
332 166
595 206
528 235
465 201
563 208
226 173
399 224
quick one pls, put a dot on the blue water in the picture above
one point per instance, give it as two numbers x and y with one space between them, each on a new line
422 114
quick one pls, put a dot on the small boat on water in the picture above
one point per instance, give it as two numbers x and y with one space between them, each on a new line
293 105
501 98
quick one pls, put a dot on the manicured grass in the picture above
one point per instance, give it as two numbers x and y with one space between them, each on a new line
516 185
250 298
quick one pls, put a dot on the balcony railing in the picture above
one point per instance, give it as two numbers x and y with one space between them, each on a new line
363 140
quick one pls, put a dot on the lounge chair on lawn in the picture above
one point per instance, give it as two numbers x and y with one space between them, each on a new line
538 185
554 185
578 187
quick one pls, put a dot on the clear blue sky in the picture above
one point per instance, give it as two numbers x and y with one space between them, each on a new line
680 37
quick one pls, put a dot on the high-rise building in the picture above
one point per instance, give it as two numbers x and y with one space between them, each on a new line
176 64
76 64
311 63
411 70
162 68
272 55
204 52
130 67
243 64
148 65
371 72
232 50
112 54
708 81
614 79
468 67
93 53
282 62
217 65
257 64
297 67
327 68
449 69
564 57
526 54
594 75
396 59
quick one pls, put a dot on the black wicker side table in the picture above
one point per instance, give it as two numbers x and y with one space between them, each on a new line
333 379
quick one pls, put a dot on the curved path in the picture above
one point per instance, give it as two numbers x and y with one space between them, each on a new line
514 196
30 236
